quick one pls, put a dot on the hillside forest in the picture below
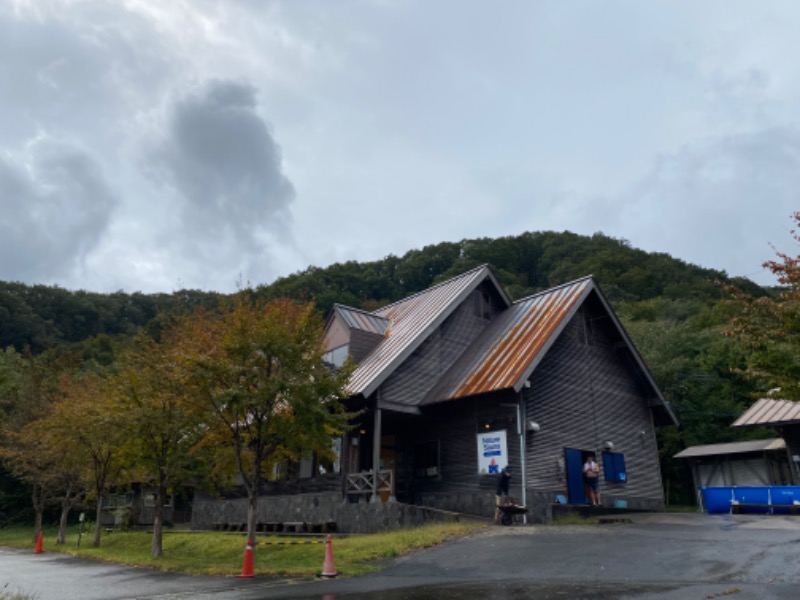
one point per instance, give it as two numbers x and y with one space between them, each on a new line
686 321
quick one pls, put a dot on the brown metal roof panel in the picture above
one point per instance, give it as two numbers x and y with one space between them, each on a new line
509 348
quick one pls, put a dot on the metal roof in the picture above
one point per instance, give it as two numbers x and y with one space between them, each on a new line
733 448
768 411
512 346
411 321
360 319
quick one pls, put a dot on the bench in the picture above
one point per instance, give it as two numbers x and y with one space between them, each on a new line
294 526
326 527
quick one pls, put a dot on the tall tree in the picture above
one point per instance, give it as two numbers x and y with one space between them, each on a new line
769 325
161 430
258 369
90 429
25 448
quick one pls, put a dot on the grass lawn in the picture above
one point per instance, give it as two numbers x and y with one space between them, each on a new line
223 553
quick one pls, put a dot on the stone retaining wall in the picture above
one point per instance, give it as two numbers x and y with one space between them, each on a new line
210 513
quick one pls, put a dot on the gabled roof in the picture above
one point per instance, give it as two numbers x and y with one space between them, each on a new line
769 411
770 445
506 354
361 319
411 321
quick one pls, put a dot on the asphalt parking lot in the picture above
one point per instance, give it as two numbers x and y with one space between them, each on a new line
652 556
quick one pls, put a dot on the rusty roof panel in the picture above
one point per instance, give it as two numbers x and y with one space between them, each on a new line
359 319
410 322
515 341
768 411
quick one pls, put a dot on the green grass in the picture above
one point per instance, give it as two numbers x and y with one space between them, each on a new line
6 595
223 554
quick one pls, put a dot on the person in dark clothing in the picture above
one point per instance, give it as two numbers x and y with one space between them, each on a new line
502 492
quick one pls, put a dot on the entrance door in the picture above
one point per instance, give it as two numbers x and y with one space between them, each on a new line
576 490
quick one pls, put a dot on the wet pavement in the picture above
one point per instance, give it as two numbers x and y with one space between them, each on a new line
654 557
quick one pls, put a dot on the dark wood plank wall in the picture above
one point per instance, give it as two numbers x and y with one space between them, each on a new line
422 370
584 394
362 343
455 426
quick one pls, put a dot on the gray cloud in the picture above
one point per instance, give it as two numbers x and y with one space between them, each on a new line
55 206
222 159
722 202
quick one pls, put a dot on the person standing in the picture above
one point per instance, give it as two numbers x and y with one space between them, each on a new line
591 475
501 494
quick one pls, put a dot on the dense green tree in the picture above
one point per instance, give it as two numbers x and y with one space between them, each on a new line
161 431
673 311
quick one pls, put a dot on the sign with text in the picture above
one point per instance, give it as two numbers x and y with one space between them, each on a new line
492 452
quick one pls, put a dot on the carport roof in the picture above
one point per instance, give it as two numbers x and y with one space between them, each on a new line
769 411
732 448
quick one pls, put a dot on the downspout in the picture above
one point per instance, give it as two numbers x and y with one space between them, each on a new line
521 433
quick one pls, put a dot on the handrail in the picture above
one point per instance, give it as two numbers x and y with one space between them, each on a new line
364 483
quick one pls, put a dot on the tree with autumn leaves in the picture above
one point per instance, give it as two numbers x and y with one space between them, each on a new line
219 398
257 373
769 325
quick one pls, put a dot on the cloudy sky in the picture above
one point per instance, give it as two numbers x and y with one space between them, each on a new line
152 145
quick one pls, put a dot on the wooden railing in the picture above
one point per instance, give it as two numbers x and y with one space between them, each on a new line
364 483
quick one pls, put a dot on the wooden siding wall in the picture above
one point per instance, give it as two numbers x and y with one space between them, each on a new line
417 375
455 426
362 343
584 394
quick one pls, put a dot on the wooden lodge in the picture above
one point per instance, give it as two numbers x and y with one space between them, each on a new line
456 382
458 375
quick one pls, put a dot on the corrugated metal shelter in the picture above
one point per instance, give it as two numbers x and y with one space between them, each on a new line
549 379
770 412
753 462
783 415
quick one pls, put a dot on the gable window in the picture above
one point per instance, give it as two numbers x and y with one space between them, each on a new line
426 459
614 467
483 304
337 356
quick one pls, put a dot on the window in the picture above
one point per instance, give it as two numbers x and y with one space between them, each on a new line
614 467
337 356
333 463
483 304
426 460
117 501
150 500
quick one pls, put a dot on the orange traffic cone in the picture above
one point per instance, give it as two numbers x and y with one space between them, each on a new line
328 567
38 549
247 568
